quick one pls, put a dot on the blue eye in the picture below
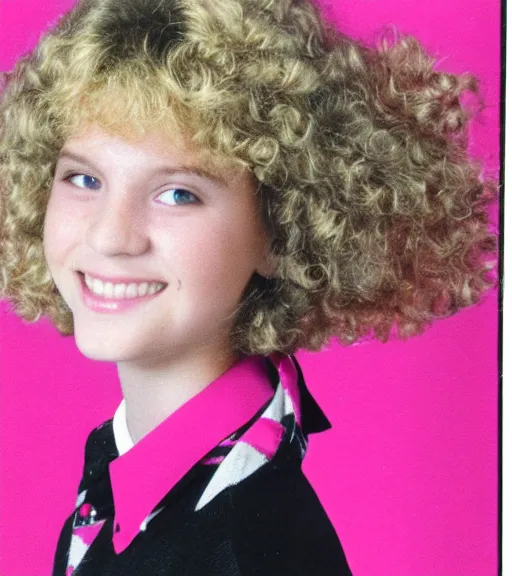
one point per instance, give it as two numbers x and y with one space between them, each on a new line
179 197
84 181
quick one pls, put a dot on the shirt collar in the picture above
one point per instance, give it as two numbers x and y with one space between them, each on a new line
142 474
122 435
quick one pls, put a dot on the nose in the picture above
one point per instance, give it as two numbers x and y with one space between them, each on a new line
118 228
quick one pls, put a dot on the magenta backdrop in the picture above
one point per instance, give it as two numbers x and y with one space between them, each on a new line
408 474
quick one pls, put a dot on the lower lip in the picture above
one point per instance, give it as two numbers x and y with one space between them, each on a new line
109 305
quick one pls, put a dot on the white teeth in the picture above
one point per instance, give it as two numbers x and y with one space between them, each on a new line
120 291
108 290
131 291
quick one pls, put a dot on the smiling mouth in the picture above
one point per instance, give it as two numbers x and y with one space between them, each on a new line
120 290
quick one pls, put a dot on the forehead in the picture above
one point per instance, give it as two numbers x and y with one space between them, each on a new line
139 108
151 147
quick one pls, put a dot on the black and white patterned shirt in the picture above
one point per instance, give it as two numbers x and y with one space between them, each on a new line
217 489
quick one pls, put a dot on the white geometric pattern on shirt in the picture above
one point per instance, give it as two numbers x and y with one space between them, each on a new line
77 550
243 460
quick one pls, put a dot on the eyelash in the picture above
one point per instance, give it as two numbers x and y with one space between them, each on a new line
70 177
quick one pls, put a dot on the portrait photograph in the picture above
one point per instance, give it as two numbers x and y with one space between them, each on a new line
249 287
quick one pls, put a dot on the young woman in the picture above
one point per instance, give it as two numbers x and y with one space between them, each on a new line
196 191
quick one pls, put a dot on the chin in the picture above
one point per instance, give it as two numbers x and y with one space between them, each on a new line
95 348
95 352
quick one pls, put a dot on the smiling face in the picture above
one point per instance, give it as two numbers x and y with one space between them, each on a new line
151 245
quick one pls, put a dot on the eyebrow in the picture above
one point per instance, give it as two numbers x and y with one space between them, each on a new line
184 169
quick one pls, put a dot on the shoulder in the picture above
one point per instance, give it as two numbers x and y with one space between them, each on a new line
279 526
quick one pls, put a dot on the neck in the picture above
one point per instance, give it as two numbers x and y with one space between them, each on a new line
154 392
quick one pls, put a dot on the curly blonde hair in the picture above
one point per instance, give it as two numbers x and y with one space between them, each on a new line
377 215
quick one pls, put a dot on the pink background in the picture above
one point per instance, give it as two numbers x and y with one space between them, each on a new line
408 474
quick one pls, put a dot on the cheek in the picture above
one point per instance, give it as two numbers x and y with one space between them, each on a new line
50 240
60 228
218 267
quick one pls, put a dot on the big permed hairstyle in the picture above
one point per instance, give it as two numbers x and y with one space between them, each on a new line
376 214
